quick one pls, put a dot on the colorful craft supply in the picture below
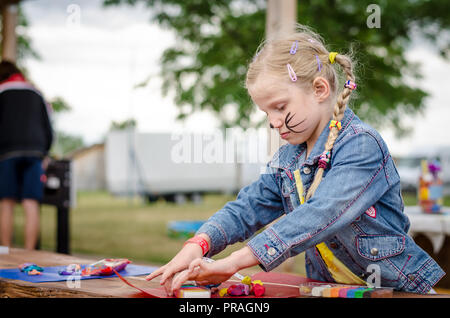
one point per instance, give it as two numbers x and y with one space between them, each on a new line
430 192
351 293
244 288
247 280
191 291
71 269
105 267
31 269
317 291
34 272
343 291
239 290
326 292
223 292
360 292
366 293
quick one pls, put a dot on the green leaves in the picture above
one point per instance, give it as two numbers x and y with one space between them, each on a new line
216 40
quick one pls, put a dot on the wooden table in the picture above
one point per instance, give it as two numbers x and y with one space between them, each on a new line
91 288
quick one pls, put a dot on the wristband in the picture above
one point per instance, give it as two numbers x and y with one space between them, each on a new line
200 241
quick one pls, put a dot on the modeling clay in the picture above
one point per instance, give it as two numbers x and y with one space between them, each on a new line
105 267
34 272
258 290
238 290
72 269
31 269
191 291
223 292
247 280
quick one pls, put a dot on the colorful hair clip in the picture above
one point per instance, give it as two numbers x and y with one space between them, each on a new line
294 48
319 63
291 72
332 56
324 159
350 85
335 123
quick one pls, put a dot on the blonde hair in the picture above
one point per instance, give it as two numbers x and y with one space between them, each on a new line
310 60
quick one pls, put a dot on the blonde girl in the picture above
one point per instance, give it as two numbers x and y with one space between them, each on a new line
334 183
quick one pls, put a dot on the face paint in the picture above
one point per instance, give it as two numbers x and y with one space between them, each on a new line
287 119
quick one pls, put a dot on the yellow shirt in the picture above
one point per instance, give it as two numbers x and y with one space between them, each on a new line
340 273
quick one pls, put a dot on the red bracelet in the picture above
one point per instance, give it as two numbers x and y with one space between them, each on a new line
200 241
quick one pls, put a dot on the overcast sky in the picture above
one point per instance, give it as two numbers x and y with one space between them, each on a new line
95 63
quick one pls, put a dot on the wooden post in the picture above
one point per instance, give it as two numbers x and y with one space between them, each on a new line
280 18
9 38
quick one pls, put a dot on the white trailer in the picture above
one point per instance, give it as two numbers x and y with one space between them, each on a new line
174 166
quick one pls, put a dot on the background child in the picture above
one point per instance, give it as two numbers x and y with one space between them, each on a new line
25 138
334 183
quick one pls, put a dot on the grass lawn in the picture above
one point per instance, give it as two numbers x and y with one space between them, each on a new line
105 226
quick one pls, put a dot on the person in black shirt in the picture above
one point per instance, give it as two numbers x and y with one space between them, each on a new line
25 139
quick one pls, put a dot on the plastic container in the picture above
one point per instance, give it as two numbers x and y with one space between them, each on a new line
183 229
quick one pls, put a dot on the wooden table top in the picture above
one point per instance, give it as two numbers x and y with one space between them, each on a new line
91 288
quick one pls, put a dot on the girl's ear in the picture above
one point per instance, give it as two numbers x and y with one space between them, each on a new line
321 89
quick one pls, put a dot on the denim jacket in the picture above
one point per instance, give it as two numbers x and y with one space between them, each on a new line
357 211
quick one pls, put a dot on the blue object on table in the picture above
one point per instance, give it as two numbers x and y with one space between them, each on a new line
51 274
184 229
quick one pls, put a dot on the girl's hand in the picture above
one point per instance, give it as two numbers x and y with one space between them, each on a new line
206 273
180 262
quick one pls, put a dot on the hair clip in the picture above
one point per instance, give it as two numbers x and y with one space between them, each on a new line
335 123
332 56
294 48
291 72
350 85
319 63
324 159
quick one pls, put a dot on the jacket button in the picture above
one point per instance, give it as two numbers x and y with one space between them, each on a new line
333 245
271 251
412 276
306 170
374 251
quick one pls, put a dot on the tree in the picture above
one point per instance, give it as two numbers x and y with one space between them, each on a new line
216 39
64 143
123 125
24 43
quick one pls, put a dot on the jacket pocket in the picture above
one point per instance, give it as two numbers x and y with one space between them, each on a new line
378 247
